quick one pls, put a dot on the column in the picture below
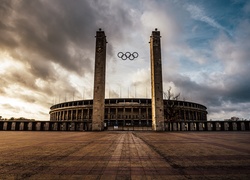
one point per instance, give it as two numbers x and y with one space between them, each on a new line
99 82
156 82
71 115
82 115
76 115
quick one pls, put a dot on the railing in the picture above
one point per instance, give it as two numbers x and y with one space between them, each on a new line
44 126
86 126
208 126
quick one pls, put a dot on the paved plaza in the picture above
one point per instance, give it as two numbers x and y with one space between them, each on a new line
124 155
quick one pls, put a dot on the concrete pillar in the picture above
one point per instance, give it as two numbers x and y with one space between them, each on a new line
183 126
123 114
116 113
67 116
64 115
82 115
60 116
242 126
71 115
13 126
29 126
99 82
156 82
77 114
109 113
222 126
88 116
184 111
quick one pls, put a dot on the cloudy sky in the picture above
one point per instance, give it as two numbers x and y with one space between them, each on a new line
47 52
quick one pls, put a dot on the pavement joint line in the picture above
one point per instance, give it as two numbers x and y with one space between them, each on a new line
175 166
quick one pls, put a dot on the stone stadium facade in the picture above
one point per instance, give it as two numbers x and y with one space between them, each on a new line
125 113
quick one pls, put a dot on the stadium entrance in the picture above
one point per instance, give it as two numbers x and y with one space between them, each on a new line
127 125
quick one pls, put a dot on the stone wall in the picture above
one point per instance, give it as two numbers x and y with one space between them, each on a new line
86 126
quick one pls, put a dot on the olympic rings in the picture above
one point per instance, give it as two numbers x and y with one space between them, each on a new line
128 55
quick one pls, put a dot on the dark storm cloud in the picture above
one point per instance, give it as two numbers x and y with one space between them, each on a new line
57 31
19 84
191 90
6 41
27 98
46 31
231 97
238 88
11 108
233 54
4 84
21 78
43 70
235 91
51 39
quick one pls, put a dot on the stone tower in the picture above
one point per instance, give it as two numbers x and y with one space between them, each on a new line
156 82
99 82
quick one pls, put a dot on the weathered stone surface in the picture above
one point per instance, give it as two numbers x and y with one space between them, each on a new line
99 82
124 155
156 82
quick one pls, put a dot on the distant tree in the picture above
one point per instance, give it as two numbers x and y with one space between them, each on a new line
171 96
171 110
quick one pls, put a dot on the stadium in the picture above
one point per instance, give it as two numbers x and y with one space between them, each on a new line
127 113
100 113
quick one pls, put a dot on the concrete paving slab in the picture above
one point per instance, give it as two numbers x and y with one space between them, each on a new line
124 155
